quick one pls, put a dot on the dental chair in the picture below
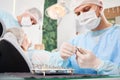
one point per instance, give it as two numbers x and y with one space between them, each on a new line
2 28
12 57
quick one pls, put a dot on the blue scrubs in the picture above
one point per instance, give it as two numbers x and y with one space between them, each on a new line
8 19
105 44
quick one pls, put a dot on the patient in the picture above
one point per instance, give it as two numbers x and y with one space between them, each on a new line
28 17
36 56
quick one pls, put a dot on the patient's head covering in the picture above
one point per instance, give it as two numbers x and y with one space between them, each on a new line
82 2
35 13
18 33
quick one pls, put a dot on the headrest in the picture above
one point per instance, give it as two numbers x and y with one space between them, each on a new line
2 28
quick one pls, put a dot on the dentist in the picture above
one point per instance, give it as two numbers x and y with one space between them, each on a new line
98 50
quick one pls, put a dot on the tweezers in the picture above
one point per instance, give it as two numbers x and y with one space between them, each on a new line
77 49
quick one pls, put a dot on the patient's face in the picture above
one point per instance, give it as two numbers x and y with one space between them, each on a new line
26 43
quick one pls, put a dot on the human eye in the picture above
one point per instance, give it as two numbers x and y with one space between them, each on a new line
77 13
86 9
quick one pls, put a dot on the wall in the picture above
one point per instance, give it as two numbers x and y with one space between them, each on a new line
7 5
22 5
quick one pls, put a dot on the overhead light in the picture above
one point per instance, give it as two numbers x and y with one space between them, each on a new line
55 11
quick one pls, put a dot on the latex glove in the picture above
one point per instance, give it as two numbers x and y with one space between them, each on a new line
86 59
67 50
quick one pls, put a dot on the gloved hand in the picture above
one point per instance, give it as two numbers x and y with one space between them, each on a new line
67 50
86 59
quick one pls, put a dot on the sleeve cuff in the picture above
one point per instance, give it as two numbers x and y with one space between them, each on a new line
99 66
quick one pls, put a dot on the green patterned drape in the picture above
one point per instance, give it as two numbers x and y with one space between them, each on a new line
49 29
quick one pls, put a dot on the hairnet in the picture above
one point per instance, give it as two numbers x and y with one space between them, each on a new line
35 13
82 2
18 33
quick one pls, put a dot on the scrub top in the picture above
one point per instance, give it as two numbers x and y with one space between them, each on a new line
8 19
105 44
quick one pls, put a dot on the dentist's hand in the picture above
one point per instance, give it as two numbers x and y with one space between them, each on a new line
67 50
86 59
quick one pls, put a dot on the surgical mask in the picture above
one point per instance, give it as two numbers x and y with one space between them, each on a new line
89 20
26 21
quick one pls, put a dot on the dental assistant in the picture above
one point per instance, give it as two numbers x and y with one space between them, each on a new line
29 17
98 50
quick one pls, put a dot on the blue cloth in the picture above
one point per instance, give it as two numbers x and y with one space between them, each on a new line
105 44
8 19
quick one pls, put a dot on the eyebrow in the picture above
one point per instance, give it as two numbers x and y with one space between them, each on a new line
81 7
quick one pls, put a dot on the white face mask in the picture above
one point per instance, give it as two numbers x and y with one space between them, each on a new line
89 20
26 21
